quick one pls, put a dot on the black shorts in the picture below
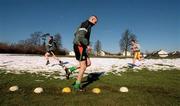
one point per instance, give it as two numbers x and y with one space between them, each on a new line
50 52
80 53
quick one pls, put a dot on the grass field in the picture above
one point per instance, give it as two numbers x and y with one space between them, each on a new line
146 88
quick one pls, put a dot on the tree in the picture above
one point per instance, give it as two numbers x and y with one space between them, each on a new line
35 38
125 41
58 40
43 37
98 47
31 45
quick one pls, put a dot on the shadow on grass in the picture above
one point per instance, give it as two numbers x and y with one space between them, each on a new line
64 63
91 78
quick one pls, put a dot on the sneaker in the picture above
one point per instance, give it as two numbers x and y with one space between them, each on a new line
60 63
80 90
47 62
67 73
72 68
77 87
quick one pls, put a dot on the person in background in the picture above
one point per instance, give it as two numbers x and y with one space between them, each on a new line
51 47
135 48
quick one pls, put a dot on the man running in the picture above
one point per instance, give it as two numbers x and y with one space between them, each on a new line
51 47
81 47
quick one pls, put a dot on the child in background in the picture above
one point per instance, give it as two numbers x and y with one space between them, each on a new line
135 48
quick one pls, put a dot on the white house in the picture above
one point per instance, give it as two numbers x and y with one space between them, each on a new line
162 53
102 53
128 53
72 53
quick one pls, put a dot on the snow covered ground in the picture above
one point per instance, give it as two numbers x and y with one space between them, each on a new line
36 64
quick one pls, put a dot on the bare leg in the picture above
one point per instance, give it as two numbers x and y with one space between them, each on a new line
81 70
88 62
80 75
54 56
47 57
134 60
73 68
135 57
83 66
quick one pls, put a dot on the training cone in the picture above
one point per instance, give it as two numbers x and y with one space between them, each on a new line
38 90
66 90
96 90
123 89
13 88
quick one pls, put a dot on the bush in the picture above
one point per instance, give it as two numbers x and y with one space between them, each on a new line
26 49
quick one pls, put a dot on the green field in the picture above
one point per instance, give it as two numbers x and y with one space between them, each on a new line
146 88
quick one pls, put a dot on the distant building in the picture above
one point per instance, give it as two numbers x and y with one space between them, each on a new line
101 53
71 53
128 53
162 53
175 54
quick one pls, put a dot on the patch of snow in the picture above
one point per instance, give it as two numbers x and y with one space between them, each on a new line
36 64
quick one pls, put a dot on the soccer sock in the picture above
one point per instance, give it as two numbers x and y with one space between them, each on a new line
72 69
77 84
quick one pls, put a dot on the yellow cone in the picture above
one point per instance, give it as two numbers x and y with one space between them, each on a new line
96 90
66 90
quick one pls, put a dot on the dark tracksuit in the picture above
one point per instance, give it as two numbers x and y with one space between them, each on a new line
82 40
51 46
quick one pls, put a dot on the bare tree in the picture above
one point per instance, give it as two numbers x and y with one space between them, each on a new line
98 47
35 44
125 41
36 38
58 40
43 38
